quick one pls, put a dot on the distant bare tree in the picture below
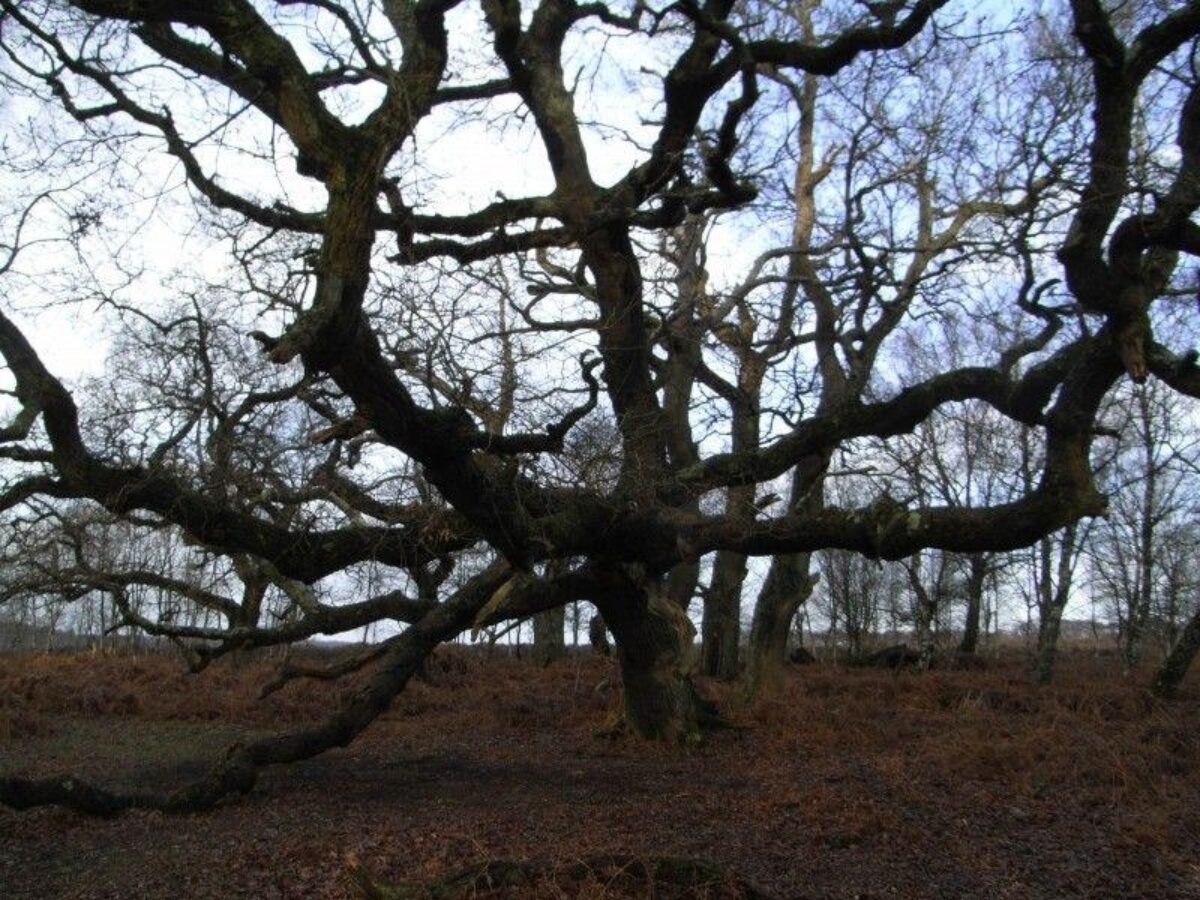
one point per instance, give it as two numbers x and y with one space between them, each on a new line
1135 555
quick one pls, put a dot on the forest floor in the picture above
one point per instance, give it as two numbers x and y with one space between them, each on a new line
849 784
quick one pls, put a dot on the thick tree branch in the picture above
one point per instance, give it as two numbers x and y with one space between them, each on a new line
238 770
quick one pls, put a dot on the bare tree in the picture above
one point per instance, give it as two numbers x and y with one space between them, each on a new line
371 437
1133 572
857 591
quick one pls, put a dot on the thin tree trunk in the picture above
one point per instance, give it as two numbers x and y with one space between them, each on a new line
684 335
1147 546
723 600
1047 643
926 612
1052 600
970 639
923 614
975 582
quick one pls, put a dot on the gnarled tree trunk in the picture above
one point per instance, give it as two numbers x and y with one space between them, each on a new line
655 650
787 587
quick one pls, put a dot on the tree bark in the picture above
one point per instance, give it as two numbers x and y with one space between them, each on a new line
682 581
549 637
722 628
924 613
975 582
1179 660
655 650
787 587
1047 645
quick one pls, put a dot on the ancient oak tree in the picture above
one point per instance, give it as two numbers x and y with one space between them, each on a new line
448 313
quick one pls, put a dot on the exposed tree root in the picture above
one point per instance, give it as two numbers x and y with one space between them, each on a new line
238 770
662 876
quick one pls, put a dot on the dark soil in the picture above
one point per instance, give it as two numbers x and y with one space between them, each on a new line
851 784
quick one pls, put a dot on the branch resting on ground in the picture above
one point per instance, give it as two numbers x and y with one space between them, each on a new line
238 770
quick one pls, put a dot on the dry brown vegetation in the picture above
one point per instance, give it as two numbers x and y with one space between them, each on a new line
851 783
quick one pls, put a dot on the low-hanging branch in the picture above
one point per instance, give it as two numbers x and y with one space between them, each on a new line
237 771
